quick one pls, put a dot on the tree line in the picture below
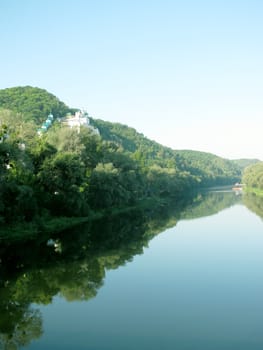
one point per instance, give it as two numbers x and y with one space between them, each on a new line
72 172
253 176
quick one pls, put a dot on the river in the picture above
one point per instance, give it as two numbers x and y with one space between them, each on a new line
185 278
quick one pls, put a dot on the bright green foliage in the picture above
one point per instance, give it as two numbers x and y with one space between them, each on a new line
60 179
203 168
34 103
253 176
16 171
210 169
72 172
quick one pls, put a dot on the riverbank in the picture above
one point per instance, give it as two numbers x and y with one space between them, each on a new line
257 191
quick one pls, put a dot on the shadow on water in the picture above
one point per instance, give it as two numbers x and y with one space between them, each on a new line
73 264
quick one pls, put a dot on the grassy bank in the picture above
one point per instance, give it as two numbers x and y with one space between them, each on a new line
256 191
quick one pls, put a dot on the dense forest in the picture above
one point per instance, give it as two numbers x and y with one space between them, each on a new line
207 169
33 103
76 172
253 176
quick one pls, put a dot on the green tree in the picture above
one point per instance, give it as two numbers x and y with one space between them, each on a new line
62 181
34 103
253 176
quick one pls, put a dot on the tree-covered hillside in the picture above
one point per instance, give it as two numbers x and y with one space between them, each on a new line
33 103
253 176
208 169
211 169
244 162
75 172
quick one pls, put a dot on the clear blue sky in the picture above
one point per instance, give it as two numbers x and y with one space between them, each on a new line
187 74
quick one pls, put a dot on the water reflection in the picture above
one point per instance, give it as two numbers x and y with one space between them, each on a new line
73 264
254 203
210 203
19 325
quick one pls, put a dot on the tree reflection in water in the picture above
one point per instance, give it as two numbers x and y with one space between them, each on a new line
35 272
19 326
254 203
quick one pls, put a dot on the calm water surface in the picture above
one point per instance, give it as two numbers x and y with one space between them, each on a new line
195 285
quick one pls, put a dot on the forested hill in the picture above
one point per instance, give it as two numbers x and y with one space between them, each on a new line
253 177
208 168
33 103
245 162
65 171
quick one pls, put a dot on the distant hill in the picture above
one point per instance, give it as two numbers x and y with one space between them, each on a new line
212 168
208 168
34 103
243 163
